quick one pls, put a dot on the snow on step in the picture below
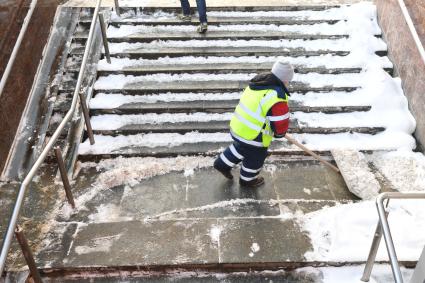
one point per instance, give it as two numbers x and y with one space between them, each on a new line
320 142
341 44
325 61
311 99
345 12
356 173
340 28
319 120
313 80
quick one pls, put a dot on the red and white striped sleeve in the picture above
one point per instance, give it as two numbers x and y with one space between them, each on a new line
279 119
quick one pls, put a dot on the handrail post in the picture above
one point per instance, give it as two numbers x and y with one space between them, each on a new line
388 238
29 258
104 37
373 250
117 8
87 118
64 176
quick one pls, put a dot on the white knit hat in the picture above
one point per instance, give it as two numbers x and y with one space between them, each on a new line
283 71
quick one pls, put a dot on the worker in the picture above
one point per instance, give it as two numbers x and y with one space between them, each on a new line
202 11
262 113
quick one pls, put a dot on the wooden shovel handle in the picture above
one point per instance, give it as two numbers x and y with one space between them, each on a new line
293 141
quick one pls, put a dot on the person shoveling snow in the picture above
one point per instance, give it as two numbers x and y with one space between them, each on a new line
262 113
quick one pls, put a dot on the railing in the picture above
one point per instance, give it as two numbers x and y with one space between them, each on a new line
383 228
12 227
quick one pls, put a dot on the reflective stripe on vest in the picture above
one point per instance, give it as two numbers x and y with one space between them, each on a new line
249 119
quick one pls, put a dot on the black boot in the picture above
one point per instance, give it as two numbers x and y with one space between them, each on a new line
226 173
253 183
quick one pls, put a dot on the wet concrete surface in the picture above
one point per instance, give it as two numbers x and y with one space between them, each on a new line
41 200
202 218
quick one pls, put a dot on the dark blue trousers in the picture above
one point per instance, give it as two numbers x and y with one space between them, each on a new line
202 9
252 158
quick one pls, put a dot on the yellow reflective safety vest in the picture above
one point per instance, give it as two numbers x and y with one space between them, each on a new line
250 117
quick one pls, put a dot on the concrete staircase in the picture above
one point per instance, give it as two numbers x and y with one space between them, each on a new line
148 201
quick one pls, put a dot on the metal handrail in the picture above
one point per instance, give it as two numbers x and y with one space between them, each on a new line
25 183
383 228
18 43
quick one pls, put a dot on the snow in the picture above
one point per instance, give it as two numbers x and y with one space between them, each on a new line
255 247
111 101
327 61
109 144
367 9
403 168
311 79
340 44
345 232
215 233
114 122
340 28
357 175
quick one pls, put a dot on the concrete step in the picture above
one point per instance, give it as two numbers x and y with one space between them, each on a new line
205 87
135 147
81 37
215 106
224 68
193 274
154 53
172 19
223 127
218 21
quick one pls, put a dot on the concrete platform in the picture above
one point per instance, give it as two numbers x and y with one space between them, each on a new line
201 219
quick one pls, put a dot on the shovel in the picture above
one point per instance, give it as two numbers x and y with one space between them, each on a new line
305 149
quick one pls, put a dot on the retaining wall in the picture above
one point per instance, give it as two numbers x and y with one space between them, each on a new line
405 54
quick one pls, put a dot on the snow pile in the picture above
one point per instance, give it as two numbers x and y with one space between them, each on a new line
389 110
345 232
357 175
403 168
